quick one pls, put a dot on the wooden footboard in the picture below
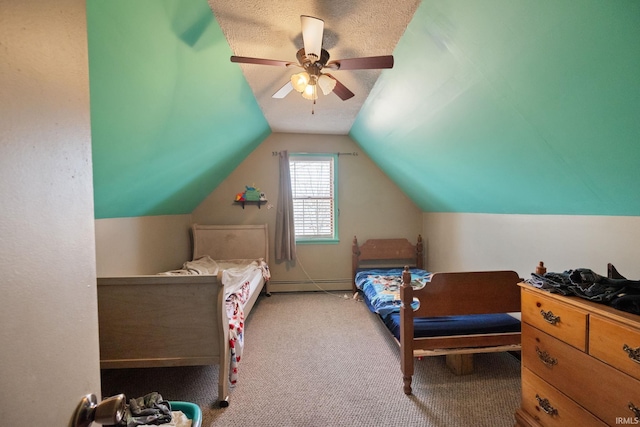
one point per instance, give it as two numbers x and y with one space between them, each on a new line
155 321
453 294
159 321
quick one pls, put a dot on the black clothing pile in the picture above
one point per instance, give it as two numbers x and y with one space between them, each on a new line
614 290
148 409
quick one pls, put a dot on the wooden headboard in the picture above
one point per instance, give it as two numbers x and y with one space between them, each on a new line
378 252
231 241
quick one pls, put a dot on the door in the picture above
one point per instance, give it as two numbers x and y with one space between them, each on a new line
49 352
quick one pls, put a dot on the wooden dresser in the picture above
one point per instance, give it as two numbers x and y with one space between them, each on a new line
580 362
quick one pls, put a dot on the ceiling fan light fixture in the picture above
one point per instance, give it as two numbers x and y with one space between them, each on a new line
313 59
300 81
310 92
326 83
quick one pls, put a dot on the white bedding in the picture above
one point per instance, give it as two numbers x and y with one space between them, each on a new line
234 272
237 272
202 265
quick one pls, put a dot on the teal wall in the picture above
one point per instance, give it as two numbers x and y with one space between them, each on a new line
171 117
493 106
528 107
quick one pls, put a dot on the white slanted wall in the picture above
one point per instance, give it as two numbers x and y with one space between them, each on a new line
518 242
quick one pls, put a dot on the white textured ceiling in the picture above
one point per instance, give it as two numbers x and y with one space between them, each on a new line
271 29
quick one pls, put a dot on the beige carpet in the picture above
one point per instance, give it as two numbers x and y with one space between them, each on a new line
317 359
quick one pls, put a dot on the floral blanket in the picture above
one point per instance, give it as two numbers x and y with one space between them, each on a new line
236 276
381 287
235 313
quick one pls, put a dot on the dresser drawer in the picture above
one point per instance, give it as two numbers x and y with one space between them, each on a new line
555 318
598 387
549 407
613 343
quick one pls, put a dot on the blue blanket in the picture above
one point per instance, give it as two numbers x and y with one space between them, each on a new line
381 287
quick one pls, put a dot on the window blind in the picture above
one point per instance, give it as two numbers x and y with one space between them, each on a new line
313 199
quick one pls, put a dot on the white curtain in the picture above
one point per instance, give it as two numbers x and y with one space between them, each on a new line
285 245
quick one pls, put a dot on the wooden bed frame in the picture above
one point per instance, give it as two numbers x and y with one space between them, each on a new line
161 321
447 294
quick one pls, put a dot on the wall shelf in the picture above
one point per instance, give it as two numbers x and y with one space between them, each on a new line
250 202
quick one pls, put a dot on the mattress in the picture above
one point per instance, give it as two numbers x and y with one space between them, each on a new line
378 281
471 324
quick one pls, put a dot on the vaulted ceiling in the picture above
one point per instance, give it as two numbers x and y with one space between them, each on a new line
496 106
272 30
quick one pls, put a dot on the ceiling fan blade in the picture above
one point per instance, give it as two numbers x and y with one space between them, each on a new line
283 91
261 61
312 32
366 63
341 90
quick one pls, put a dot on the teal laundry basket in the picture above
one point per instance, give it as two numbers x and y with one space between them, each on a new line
191 410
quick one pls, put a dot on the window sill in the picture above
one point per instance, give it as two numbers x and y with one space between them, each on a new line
317 241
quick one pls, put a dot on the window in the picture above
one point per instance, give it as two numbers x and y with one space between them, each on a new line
313 187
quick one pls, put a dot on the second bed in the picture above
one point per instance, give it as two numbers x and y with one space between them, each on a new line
454 314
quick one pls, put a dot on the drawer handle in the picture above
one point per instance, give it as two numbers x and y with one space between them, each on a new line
634 353
546 406
550 317
634 409
546 358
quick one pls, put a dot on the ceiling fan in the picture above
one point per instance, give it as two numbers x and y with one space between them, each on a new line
313 60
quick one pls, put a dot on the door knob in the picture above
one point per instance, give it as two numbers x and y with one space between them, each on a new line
110 411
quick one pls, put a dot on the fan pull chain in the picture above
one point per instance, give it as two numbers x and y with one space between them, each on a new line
313 107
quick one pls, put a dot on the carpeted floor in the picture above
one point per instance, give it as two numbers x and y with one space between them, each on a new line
318 359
